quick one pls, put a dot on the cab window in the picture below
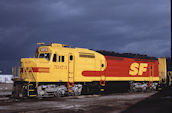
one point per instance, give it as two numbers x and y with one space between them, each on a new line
54 58
45 55
71 57
61 59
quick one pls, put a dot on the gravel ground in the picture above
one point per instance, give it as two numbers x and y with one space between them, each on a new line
160 102
150 102
113 103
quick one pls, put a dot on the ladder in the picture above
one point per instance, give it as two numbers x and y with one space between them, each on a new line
70 86
31 90
102 79
151 73
32 86
70 83
102 85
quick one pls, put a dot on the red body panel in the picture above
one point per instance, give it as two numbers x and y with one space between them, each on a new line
120 67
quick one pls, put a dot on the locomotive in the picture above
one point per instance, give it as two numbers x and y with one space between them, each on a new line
59 70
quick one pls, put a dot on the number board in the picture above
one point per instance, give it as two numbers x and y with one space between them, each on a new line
43 49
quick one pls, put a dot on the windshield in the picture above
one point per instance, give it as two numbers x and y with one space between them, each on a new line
45 55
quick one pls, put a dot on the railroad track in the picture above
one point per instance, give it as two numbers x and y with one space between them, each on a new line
116 102
9 99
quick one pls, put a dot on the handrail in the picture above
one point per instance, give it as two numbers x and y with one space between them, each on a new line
170 77
34 77
14 72
26 72
151 75
19 72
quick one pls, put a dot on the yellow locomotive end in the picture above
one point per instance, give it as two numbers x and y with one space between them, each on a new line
56 68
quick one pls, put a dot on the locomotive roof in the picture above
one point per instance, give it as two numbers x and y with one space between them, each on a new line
108 53
128 55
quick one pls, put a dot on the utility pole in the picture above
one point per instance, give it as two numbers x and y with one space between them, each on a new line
171 31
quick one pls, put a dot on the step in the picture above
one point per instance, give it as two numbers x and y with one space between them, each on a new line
70 90
30 84
102 90
31 89
102 84
159 88
32 95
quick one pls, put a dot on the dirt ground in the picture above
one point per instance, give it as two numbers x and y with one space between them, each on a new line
150 102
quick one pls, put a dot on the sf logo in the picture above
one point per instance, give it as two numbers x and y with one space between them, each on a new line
138 69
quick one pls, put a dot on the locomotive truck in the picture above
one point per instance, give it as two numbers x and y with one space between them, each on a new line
59 70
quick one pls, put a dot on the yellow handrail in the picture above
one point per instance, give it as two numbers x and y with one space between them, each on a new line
14 72
27 71
34 77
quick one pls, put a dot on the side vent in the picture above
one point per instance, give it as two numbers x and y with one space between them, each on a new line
86 55
114 58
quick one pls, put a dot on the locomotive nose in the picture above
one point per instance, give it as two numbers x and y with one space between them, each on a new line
33 62
27 62
34 65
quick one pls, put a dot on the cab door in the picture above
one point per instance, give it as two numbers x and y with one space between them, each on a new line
71 68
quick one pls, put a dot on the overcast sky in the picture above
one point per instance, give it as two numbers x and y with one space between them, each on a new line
133 26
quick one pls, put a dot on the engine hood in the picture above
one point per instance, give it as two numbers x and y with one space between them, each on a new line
34 62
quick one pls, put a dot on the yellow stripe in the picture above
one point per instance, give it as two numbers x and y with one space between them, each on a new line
90 79
132 78
32 95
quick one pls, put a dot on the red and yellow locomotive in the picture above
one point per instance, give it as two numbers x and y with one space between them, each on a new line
59 70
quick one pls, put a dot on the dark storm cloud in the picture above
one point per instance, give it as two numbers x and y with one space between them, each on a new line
139 26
